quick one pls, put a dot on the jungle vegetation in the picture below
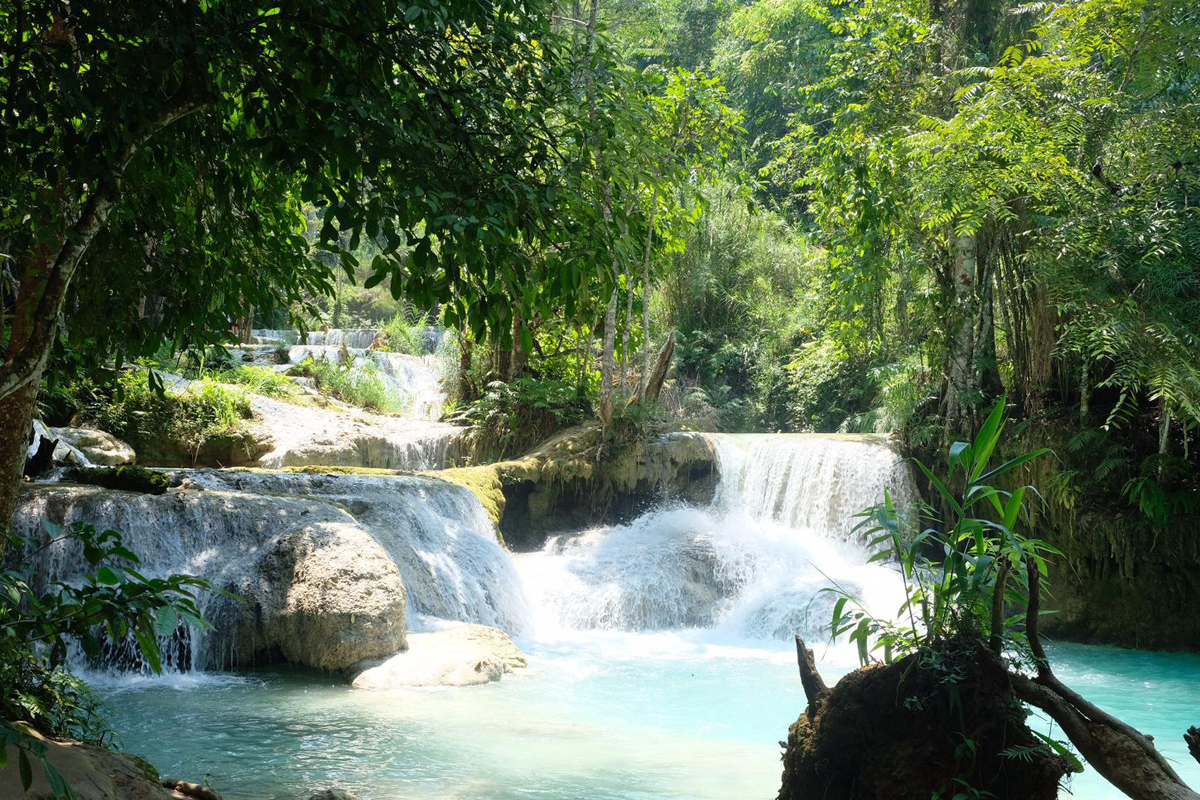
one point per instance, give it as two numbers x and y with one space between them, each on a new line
856 215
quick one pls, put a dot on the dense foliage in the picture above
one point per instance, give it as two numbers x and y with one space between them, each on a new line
40 626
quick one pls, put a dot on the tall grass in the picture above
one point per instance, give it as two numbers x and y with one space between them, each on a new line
359 385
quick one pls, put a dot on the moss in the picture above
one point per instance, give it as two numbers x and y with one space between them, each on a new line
144 766
125 478
204 423
484 482
340 470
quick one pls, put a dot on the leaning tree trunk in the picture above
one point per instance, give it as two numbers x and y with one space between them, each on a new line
48 270
1125 757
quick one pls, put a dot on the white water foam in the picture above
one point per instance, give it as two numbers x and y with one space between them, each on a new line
759 563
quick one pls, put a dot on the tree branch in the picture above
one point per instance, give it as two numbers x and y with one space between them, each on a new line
810 679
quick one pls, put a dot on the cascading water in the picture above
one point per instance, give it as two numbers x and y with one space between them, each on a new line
756 563
436 534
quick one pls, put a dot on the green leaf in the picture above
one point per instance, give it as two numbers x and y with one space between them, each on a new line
25 769
107 576
1014 463
165 621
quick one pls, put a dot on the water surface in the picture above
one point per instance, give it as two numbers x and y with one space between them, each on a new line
599 716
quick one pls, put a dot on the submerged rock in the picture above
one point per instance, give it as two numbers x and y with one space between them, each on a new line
333 794
93 773
459 654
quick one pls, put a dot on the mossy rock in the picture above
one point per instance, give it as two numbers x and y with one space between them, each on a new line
316 469
127 478
145 766
484 481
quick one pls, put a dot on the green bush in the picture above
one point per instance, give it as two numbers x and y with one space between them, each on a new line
36 630
359 386
402 333
144 416
511 418
258 380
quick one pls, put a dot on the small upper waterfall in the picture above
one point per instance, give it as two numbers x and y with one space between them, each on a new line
812 482
414 381
756 563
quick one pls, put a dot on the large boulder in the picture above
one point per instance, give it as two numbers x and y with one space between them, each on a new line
458 654
79 447
93 773
325 595
98 447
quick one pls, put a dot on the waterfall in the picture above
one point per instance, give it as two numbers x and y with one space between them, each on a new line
360 338
436 534
756 563
811 482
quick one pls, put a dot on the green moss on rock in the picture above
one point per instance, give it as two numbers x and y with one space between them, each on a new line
127 478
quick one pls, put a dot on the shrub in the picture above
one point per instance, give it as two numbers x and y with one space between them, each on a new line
147 416
36 630
511 418
258 380
960 577
403 333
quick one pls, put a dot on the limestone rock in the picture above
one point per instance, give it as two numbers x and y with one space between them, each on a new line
325 595
100 448
459 654
301 436
93 773
562 484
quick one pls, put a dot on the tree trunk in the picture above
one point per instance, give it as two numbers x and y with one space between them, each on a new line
646 297
43 293
658 375
628 329
1085 390
607 365
16 422
466 387
960 373
519 358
